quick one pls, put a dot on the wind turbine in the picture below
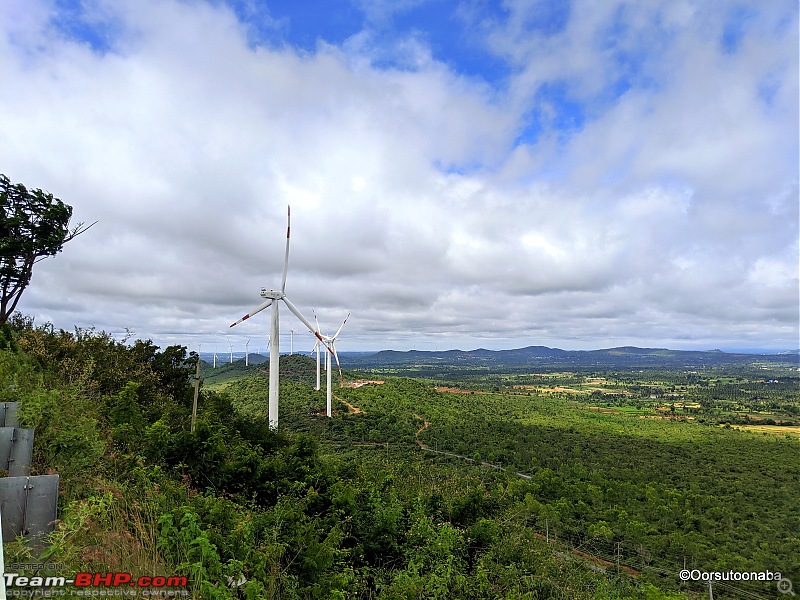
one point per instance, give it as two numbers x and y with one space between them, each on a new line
247 352
316 349
271 299
330 344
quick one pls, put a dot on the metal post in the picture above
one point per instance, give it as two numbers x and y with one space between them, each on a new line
196 393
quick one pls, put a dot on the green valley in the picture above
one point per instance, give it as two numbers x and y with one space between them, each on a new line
465 483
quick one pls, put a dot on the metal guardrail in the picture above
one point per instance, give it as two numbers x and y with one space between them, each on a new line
8 414
28 506
16 451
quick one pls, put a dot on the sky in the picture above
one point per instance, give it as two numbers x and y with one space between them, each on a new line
461 174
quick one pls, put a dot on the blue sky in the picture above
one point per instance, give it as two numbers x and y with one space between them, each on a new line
462 174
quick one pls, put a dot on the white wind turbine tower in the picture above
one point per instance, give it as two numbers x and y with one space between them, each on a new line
272 298
316 349
247 352
330 345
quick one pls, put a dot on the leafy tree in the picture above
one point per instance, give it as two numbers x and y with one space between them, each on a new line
33 226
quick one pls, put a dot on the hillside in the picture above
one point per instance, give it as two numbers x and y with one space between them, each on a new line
293 367
239 511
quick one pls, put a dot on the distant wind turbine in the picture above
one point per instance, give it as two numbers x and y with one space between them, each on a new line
330 345
247 352
272 298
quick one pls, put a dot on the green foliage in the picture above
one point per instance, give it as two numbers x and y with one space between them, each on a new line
125 418
601 531
18 376
68 437
187 545
352 507
74 528
663 490
101 366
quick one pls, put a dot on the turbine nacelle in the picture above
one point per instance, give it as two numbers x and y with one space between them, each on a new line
271 294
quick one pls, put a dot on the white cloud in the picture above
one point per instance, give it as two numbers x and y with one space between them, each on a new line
669 214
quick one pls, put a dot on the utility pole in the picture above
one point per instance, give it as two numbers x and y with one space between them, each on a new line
196 393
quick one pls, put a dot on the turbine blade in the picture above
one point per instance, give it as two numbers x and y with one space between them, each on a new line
340 326
305 322
286 259
336 356
256 310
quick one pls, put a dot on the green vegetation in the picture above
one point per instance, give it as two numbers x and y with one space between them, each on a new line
294 367
559 485
665 490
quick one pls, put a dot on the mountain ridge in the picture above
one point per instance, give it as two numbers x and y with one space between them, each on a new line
621 356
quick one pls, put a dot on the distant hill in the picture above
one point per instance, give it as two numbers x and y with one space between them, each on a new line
542 356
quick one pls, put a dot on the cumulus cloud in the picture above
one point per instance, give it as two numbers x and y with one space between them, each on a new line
634 180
